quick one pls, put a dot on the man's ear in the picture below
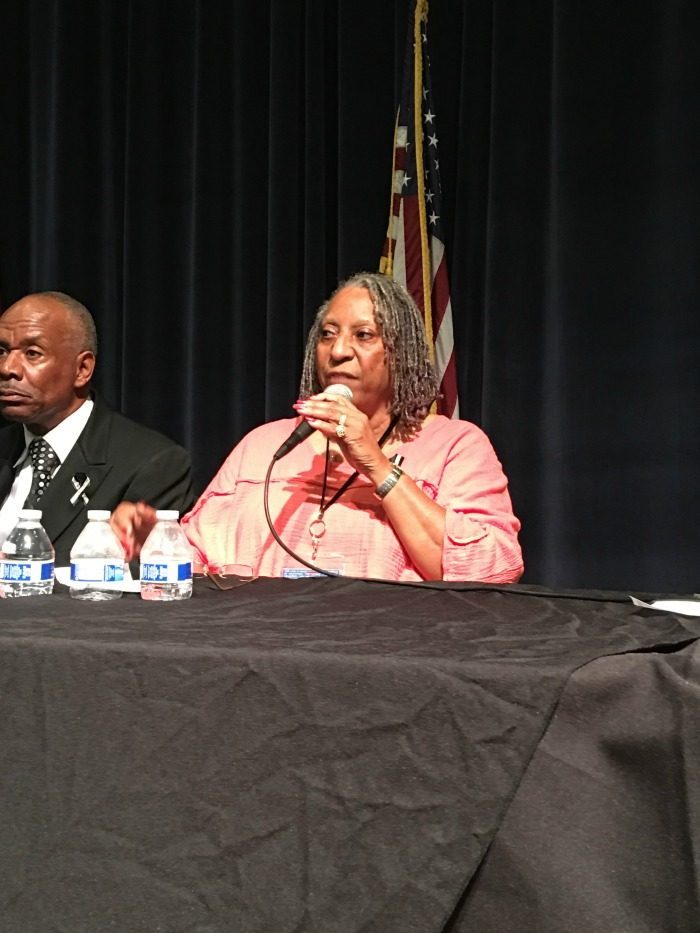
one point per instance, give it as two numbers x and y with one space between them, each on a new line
85 366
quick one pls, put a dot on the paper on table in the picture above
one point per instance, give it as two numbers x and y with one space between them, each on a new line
685 607
127 585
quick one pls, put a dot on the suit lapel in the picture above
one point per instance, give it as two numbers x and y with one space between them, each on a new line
89 457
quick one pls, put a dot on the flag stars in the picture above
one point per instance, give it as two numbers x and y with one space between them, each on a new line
406 179
429 116
433 140
434 218
429 197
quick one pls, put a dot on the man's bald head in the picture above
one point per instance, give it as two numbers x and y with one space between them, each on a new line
86 331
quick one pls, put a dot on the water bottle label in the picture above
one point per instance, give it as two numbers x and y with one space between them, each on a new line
26 571
166 571
96 570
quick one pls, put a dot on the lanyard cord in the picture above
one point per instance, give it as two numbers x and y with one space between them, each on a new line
351 479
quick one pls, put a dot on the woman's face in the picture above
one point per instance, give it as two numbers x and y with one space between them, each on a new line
350 350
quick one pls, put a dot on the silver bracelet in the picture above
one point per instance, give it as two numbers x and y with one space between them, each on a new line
389 483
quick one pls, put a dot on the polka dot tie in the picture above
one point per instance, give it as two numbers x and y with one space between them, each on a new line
44 463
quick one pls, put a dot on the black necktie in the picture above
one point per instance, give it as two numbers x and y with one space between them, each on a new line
44 463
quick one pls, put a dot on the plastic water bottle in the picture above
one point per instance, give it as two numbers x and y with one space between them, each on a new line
96 560
166 560
27 558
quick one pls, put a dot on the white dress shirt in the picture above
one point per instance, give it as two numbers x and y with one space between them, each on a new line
62 439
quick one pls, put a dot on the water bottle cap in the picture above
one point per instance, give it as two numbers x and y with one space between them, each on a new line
98 515
167 515
33 515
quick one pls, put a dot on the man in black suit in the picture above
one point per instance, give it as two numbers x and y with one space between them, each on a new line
96 457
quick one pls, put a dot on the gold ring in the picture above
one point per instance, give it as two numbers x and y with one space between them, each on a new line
340 430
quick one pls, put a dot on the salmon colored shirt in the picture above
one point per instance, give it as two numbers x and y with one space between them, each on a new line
452 461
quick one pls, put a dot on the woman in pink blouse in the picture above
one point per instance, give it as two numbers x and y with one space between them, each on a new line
338 500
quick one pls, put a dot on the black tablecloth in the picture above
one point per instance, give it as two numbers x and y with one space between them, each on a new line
603 832
314 755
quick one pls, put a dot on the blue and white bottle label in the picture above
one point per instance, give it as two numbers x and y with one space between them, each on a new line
96 570
26 571
166 571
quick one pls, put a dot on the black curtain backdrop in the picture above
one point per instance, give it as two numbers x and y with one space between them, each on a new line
201 174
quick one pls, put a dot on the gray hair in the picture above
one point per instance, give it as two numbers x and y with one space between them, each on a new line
84 321
414 381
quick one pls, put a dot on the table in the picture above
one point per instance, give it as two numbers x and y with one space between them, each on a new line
337 756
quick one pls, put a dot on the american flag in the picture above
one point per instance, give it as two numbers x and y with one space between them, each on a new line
414 250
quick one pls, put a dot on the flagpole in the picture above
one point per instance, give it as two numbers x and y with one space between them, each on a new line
414 249
421 15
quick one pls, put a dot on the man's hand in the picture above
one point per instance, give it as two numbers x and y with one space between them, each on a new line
132 523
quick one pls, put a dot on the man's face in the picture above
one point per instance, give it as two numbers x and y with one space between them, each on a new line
43 370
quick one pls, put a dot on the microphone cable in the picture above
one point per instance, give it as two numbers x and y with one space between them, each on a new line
273 531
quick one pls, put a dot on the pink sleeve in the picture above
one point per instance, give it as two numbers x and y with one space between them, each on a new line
208 523
481 531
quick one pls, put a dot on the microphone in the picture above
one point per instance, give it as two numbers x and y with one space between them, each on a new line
304 430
